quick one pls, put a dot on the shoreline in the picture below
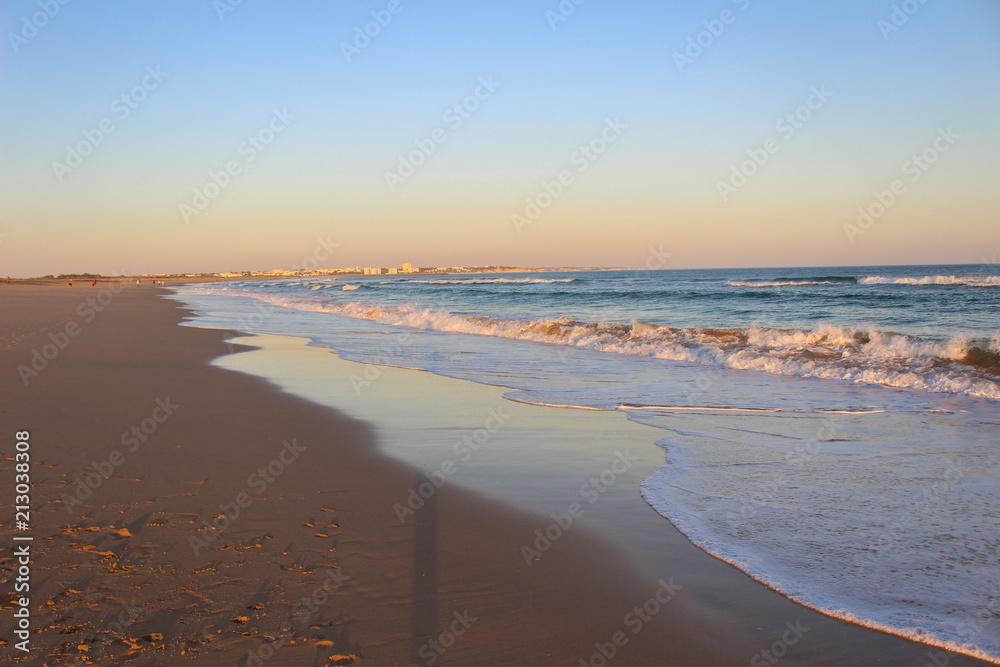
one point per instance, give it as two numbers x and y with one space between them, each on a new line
316 369
136 526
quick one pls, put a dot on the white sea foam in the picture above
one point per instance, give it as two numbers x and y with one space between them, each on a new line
861 355
783 283
350 288
887 520
968 281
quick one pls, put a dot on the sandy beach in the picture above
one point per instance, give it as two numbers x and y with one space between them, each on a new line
579 334
183 513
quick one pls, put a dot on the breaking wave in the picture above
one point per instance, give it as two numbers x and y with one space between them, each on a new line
853 354
968 281
789 283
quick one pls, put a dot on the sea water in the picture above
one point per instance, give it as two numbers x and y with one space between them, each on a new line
831 432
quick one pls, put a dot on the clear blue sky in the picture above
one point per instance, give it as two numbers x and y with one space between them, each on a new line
556 85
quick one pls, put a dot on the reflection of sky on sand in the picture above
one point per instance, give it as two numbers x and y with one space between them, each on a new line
530 460
538 461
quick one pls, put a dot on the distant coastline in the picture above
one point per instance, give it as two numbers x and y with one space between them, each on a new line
315 273
358 272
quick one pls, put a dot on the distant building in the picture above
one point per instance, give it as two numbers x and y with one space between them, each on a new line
393 272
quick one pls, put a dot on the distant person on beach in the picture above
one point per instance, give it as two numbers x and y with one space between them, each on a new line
95 282
70 282
136 282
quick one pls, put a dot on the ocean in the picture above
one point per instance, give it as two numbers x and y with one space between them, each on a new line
831 432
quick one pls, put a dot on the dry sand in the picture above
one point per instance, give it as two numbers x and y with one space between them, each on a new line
313 570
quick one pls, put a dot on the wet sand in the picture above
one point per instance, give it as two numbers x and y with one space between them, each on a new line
151 443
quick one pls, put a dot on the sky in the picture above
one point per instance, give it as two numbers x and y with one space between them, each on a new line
228 135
